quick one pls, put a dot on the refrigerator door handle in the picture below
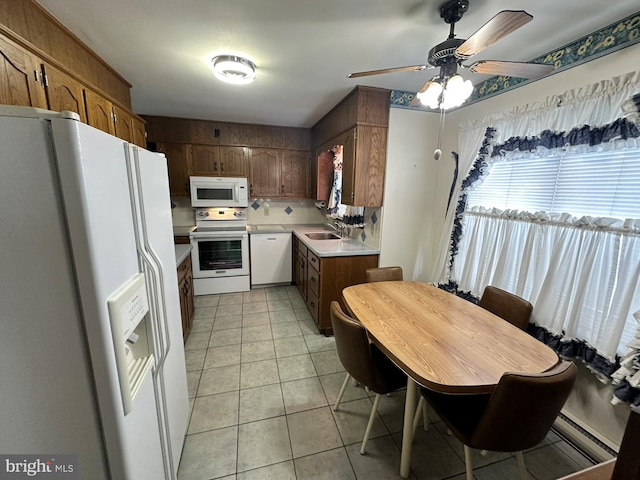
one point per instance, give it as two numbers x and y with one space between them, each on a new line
152 263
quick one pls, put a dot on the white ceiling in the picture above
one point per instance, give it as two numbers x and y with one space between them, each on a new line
303 48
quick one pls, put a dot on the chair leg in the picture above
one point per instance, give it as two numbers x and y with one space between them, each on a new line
344 387
425 416
416 417
372 417
467 462
521 467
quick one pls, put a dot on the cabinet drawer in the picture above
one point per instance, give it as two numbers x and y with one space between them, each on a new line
313 306
302 249
184 267
314 261
313 280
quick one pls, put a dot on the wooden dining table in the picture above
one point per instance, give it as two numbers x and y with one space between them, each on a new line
442 342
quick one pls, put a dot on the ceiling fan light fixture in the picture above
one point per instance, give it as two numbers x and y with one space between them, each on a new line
446 93
233 69
456 92
431 96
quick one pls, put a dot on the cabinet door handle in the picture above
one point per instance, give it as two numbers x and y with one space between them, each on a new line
222 166
281 188
215 165
251 189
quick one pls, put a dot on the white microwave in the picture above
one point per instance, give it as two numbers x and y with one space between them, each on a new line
219 192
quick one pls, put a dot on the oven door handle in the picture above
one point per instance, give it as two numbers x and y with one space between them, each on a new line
231 236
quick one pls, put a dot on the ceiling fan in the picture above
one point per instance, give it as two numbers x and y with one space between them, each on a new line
448 89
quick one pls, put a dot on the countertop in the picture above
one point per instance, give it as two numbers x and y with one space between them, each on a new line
322 248
182 250
343 247
183 231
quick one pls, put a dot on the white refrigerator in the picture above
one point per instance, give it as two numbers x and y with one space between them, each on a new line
91 353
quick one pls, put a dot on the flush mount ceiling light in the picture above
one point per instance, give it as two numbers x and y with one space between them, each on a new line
232 69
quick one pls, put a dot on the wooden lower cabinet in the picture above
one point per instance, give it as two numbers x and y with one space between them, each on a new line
321 280
185 291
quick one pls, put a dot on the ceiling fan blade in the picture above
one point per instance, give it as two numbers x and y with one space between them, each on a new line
499 26
410 68
416 101
511 69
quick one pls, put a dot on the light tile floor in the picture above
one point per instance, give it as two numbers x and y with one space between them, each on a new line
262 381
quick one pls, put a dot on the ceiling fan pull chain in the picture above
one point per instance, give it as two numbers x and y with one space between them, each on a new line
438 151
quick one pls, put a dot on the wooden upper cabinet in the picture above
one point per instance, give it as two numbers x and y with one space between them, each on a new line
211 160
234 161
139 132
99 112
110 118
205 160
179 166
360 123
20 76
264 172
294 174
349 167
364 153
63 92
321 176
123 124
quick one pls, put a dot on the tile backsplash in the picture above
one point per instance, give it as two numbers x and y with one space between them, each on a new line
264 211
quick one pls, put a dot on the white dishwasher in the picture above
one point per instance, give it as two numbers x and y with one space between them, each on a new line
271 256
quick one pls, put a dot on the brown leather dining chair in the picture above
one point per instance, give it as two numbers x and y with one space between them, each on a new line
510 307
364 362
515 417
383 274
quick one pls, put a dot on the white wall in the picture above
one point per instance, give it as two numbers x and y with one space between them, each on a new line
409 191
590 400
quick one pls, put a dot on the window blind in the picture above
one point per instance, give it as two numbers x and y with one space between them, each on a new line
598 184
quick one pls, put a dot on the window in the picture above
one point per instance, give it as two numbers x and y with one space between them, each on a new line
582 275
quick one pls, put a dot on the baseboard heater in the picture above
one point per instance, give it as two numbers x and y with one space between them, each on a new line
589 442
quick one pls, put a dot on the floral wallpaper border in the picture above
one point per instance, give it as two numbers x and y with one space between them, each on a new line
618 35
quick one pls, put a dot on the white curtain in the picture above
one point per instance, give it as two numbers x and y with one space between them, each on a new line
596 104
581 274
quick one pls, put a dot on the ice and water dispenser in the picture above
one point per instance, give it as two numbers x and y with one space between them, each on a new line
132 337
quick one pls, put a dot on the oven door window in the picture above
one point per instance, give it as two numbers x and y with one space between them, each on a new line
220 255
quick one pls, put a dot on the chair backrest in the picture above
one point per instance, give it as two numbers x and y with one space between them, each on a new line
515 310
522 409
353 346
383 274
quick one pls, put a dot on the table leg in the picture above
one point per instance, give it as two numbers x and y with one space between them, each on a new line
407 429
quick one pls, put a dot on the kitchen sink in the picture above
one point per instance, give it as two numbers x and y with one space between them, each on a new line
323 236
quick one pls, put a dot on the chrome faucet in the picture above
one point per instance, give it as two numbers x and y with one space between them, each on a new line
339 227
